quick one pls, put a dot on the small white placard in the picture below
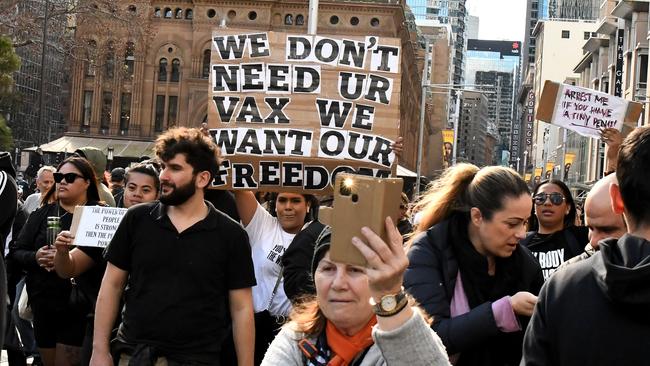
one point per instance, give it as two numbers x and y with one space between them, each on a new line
587 111
94 226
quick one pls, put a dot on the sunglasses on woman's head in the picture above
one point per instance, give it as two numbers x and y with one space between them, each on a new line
69 177
556 198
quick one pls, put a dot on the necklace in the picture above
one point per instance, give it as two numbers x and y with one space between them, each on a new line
58 210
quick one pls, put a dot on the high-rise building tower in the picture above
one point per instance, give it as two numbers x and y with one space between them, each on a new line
496 65
451 12
554 9
472 27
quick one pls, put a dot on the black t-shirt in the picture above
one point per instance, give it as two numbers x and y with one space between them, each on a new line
223 201
91 280
551 250
177 289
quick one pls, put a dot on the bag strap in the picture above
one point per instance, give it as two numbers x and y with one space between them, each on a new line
275 288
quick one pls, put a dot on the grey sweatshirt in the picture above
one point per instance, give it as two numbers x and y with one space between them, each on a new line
412 344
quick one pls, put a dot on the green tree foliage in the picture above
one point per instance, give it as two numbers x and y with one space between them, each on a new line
9 63
6 138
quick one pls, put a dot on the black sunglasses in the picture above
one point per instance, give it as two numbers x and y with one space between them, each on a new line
69 177
556 198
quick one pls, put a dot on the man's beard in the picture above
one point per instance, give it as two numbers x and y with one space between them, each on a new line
178 195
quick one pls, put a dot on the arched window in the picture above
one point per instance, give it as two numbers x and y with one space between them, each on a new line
288 19
168 13
300 19
156 13
179 13
205 73
162 70
189 14
129 59
176 70
109 64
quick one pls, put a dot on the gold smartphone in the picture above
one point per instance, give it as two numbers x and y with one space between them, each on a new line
361 201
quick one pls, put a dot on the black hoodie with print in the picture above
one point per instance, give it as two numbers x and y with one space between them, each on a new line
596 312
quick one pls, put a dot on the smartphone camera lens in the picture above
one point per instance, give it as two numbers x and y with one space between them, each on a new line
346 187
345 190
355 198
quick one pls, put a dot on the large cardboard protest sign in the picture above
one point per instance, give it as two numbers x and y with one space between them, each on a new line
586 111
291 111
94 226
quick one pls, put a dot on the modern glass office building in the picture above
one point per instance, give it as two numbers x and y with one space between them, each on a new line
485 55
555 9
494 66
451 12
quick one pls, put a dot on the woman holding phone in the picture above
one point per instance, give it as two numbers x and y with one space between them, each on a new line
58 328
340 326
467 269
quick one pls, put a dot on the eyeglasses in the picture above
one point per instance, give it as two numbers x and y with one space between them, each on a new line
69 177
556 198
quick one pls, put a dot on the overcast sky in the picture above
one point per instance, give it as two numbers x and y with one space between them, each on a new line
499 19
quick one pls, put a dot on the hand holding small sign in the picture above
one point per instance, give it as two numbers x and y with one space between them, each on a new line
64 241
613 138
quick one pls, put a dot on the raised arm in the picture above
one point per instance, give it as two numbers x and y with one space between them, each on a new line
404 337
246 205
613 139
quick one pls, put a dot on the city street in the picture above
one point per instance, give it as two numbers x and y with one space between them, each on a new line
500 136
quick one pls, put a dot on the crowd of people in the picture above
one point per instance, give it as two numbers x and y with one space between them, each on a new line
479 270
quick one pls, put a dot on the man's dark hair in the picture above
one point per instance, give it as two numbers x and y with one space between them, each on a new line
200 151
633 175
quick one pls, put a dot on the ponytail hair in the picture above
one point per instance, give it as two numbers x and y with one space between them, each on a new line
444 195
464 186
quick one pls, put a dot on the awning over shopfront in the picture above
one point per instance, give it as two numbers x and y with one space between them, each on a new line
121 148
129 149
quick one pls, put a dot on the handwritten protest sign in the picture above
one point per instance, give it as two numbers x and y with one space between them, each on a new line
289 112
585 111
94 226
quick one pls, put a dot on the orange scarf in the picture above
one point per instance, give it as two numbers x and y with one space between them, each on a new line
345 348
